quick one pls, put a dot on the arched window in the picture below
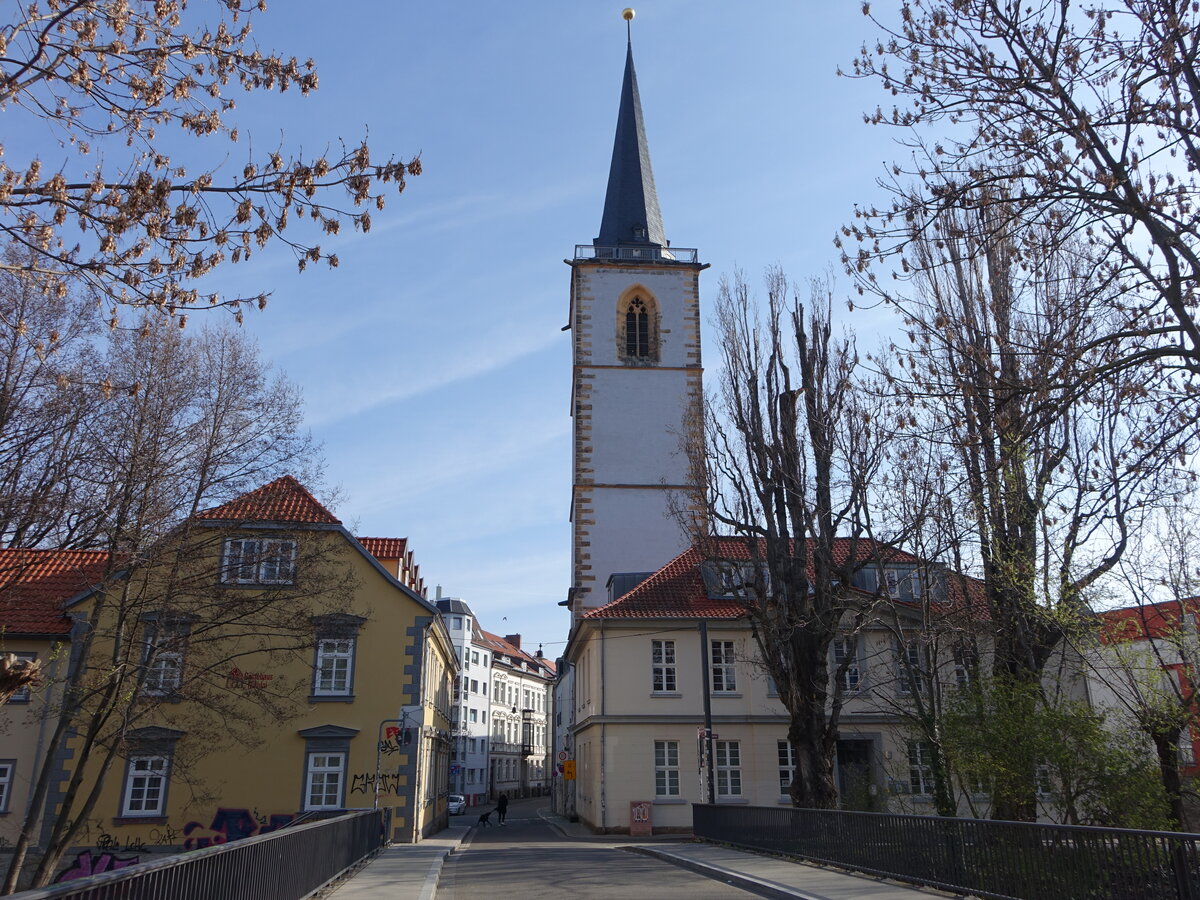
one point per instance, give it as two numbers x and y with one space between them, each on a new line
637 330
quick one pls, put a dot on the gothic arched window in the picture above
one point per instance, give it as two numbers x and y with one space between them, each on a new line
637 330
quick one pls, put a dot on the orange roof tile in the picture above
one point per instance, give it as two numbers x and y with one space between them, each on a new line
283 500
500 645
677 590
1150 620
35 584
384 548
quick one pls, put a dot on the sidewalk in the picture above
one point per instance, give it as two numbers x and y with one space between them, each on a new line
411 871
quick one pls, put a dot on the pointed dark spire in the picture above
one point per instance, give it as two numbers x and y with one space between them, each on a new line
631 213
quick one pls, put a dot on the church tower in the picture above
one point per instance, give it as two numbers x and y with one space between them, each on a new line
635 323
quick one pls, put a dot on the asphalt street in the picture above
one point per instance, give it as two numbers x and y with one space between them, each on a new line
527 858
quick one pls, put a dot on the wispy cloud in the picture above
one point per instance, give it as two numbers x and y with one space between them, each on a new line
424 373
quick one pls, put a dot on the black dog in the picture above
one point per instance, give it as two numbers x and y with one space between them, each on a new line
483 819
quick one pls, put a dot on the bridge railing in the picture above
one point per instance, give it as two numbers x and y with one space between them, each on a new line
284 865
986 858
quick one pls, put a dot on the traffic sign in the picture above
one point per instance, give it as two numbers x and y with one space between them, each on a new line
562 755
569 770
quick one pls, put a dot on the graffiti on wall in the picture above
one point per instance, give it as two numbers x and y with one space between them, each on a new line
93 863
111 842
231 825
364 783
395 739
253 680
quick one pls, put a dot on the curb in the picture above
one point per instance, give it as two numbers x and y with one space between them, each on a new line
760 886
434 875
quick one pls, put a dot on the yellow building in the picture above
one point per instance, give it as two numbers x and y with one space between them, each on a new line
274 669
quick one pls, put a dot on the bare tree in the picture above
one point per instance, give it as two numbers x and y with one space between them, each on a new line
1146 653
118 80
1055 467
785 455
17 674
189 421
47 359
1081 113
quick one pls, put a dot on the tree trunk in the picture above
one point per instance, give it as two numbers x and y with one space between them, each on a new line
813 786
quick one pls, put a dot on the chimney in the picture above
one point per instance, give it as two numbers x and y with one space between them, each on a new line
514 639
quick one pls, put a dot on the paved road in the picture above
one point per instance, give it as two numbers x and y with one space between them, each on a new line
528 859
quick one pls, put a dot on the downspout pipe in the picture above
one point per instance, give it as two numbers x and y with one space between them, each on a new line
708 729
603 741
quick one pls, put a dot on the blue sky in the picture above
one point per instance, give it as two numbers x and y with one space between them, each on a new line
432 360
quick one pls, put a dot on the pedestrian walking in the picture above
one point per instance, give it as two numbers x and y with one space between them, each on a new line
502 807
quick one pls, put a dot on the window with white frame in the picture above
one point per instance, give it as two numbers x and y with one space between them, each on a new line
475 657
259 561
666 768
7 767
903 582
787 765
909 675
845 652
966 663
23 694
335 667
662 661
1043 781
145 785
162 655
474 686
1187 749
474 715
724 676
727 757
920 767
324 781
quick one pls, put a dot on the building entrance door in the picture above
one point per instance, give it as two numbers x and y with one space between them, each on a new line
856 790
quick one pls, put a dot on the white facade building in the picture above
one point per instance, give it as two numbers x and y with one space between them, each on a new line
472 703
521 717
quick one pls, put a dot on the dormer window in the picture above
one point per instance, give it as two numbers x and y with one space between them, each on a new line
639 232
734 579
903 582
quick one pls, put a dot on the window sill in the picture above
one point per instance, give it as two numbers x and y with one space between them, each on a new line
140 820
663 695
331 698
732 801
256 585
669 801
726 695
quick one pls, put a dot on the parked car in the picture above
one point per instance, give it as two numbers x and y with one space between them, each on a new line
457 804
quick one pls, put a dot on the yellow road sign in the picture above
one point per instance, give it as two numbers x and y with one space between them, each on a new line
569 769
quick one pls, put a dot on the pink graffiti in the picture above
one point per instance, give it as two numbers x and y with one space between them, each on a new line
231 825
88 864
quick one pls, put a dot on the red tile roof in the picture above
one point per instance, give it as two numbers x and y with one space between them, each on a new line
677 590
283 500
500 645
384 548
1151 620
34 585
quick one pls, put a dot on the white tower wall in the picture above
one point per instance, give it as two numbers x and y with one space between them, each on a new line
629 417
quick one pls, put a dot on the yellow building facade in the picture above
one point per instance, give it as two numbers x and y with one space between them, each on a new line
281 672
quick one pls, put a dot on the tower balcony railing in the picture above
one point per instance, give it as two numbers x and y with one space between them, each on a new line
638 254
